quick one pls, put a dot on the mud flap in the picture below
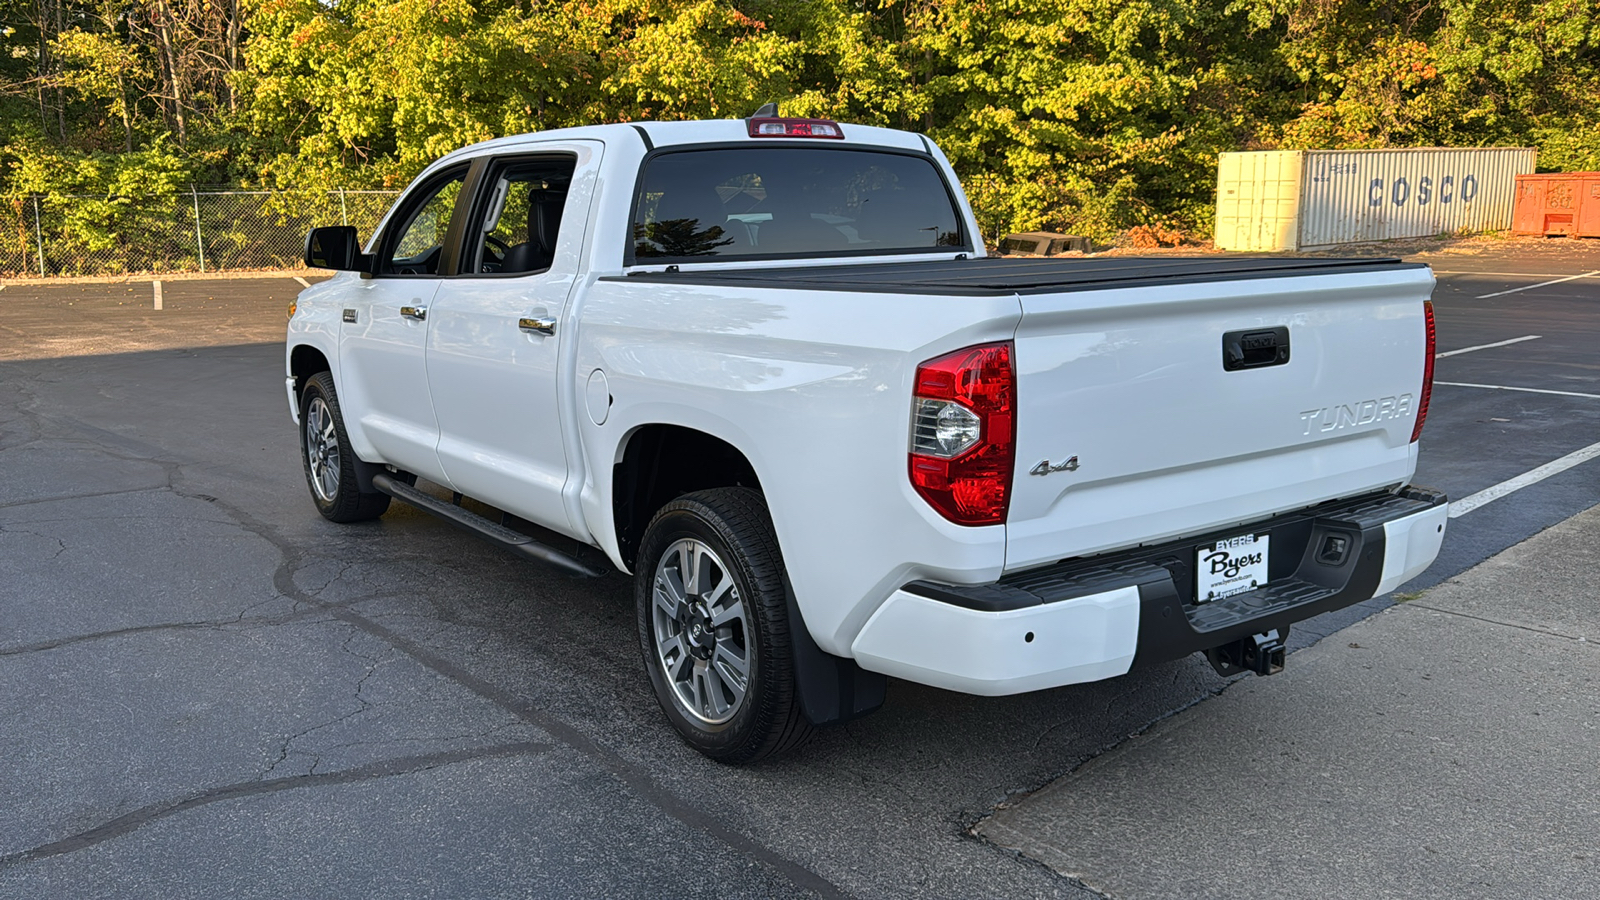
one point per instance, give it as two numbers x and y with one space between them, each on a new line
832 689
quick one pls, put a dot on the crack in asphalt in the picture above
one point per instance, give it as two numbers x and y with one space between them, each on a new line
363 704
206 625
240 622
1575 638
154 812
636 780
61 546
60 498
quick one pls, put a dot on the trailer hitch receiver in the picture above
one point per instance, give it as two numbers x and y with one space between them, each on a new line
1259 653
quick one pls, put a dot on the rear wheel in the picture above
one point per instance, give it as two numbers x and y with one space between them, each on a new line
330 464
714 628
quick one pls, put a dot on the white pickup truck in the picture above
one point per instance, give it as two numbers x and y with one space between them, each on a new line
765 366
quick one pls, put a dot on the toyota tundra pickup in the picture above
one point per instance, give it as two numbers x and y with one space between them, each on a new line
766 366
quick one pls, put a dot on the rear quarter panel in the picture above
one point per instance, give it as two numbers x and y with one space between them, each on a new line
814 388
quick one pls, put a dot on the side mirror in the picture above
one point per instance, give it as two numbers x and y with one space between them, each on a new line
336 247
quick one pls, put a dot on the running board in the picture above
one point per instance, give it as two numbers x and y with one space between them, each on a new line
505 537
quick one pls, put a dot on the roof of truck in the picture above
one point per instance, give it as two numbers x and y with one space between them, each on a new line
703 131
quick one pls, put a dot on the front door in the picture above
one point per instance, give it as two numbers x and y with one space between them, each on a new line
495 340
383 381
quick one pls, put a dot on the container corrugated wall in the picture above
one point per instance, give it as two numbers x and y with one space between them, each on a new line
1258 200
1356 196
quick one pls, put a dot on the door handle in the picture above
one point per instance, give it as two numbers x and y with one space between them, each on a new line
542 326
414 312
537 321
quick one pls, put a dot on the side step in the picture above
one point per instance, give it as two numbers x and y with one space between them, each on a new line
471 521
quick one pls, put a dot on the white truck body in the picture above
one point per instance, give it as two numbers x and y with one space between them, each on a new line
1118 367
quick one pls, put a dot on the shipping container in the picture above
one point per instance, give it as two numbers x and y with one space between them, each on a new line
1311 199
1558 203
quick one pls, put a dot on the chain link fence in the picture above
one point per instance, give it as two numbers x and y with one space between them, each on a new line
197 231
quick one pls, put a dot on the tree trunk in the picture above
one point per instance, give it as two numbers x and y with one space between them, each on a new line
175 78
233 53
127 120
44 63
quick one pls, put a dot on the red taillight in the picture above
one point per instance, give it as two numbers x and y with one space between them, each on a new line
963 433
1427 375
795 128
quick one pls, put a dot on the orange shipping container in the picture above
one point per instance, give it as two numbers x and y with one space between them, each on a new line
1558 203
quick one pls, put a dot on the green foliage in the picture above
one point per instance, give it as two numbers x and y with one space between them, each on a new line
97 199
1088 116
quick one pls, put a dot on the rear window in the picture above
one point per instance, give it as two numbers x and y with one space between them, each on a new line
773 202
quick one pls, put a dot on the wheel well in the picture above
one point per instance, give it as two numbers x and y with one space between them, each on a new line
663 462
305 362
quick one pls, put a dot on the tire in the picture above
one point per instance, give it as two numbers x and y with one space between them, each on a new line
329 463
698 632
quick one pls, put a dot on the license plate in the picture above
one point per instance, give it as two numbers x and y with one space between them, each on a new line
1230 567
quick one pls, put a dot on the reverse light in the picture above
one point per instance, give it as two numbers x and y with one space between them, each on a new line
795 128
1427 374
963 433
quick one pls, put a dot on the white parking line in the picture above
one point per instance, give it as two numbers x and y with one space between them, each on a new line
1500 274
303 282
1539 285
1527 337
156 285
1488 495
1502 387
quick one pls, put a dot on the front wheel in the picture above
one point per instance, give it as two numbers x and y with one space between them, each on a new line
714 626
329 462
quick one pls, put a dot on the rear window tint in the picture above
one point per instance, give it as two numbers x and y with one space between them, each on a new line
773 202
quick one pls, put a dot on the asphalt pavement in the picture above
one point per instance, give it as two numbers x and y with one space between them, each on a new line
207 690
1446 748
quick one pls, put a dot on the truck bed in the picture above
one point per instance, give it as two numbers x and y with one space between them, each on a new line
997 276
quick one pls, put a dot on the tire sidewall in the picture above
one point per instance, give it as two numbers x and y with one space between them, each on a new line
346 498
686 518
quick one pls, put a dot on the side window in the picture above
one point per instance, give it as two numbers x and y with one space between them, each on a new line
421 226
515 228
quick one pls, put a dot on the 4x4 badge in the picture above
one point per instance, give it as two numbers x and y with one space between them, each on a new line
1044 467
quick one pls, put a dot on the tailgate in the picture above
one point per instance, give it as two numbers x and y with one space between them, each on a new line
1168 441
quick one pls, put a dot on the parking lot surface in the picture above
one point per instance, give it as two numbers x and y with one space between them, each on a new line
211 691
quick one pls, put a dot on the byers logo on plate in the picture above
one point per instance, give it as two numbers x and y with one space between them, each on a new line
1231 567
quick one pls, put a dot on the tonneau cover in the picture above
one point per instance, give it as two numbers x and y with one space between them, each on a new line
999 276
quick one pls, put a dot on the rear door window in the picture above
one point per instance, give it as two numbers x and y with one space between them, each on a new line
779 202
416 234
514 231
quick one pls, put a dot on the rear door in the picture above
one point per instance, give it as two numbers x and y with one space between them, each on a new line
383 380
495 345
1139 422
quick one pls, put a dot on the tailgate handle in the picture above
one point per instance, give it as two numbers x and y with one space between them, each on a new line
1255 348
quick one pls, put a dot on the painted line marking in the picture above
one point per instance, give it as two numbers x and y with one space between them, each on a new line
1539 285
1526 337
156 285
1489 495
303 282
1500 274
1502 387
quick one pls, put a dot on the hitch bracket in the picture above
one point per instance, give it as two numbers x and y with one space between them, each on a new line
1261 653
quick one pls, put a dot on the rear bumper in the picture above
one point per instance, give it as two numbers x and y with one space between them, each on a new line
1088 619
